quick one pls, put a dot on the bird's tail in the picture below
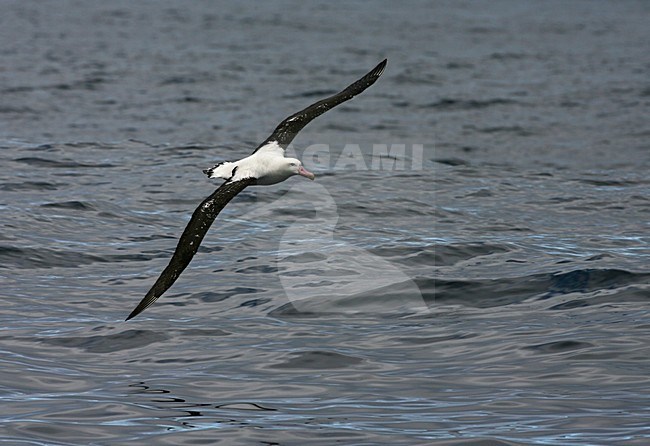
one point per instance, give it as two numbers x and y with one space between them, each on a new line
223 170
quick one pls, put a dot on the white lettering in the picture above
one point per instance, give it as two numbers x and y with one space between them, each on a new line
416 159
316 156
351 155
385 159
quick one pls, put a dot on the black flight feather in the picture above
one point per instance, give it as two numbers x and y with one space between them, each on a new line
191 238
289 128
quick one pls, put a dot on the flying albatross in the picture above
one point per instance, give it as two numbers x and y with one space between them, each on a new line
265 166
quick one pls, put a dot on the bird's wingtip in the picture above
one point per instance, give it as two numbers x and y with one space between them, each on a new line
379 69
137 310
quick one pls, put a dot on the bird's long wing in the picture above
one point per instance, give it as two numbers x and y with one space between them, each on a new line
289 128
190 240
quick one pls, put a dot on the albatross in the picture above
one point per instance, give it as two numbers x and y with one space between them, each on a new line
267 165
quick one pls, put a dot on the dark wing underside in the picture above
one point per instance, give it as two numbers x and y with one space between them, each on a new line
190 240
289 128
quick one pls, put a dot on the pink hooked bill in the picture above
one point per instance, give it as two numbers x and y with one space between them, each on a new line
305 173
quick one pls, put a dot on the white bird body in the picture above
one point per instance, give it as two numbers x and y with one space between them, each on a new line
267 165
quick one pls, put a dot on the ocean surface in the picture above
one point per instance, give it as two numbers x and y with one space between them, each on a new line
470 267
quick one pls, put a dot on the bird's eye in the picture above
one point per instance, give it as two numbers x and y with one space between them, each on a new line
292 164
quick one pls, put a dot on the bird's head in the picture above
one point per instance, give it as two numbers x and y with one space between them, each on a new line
295 167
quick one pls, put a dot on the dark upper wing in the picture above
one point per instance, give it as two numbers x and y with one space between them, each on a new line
190 240
289 128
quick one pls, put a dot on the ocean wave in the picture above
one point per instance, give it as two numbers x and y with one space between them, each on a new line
33 258
49 163
586 287
30 185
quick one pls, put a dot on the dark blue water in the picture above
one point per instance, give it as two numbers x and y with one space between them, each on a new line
469 267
